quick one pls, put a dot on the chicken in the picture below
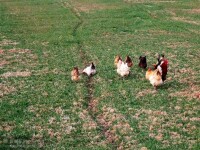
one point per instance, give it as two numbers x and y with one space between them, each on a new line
123 68
143 62
129 61
155 76
75 76
90 70
164 66
117 58
163 63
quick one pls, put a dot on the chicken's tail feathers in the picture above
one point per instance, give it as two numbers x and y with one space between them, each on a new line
129 61
92 65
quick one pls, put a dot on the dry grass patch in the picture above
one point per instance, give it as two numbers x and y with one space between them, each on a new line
194 31
19 9
161 124
185 20
148 1
65 123
93 105
193 11
16 74
6 126
3 62
172 12
1 51
20 51
19 56
159 32
174 45
6 42
89 123
5 89
117 129
146 92
192 91
87 7
46 71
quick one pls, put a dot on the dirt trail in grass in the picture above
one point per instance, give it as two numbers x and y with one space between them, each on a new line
108 130
114 127
88 113
82 53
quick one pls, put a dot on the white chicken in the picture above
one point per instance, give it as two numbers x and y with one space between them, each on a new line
123 68
90 70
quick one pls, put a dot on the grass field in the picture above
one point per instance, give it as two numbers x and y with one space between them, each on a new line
42 40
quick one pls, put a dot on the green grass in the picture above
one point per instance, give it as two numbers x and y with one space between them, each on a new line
45 109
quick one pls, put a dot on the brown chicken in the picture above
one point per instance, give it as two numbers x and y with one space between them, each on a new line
75 75
155 77
143 62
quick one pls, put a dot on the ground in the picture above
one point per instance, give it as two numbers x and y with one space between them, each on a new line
40 43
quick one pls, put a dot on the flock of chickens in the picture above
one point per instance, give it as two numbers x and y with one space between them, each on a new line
156 75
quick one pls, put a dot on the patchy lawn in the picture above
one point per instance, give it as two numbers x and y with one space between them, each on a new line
40 43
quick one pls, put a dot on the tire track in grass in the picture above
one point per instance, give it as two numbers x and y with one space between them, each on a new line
86 114
84 58
109 121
